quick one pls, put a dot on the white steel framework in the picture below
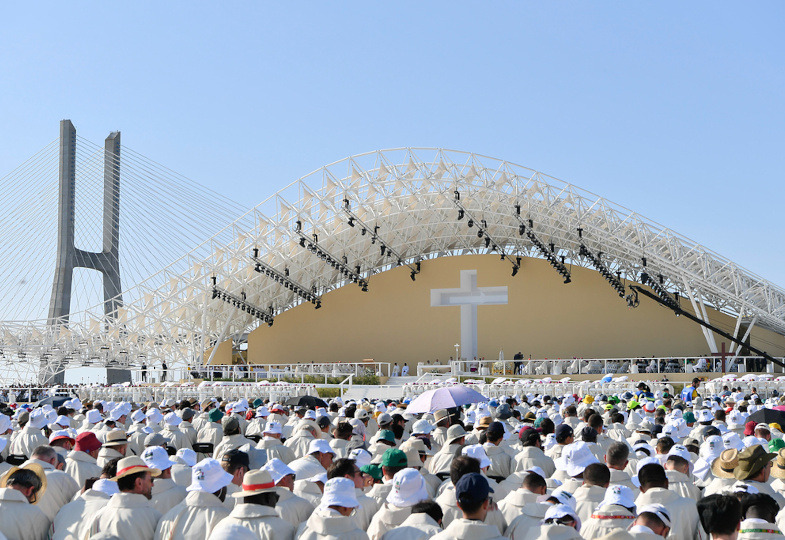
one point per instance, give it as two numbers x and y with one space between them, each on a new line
405 201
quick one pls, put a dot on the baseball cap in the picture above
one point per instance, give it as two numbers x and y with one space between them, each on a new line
422 427
87 442
393 457
575 458
361 457
472 488
320 445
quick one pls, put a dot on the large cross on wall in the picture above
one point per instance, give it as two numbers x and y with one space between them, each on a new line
468 297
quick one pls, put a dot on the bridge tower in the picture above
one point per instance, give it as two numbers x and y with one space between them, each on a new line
106 261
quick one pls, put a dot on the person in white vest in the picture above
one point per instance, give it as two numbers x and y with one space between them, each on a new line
175 437
20 517
423 523
60 487
254 515
203 508
333 518
653 522
129 514
166 494
408 488
682 512
81 461
115 446
272 445
615 511
31 435
290 507
473 495
319 458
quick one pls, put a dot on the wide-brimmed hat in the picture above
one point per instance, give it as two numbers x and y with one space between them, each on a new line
751 461
209 476
778 469
133 465
455 432
256 482
408 488
340 492
440 415
116 437
36 468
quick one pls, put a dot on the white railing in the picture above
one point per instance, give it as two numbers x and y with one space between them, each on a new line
222 390
278 372
764 385
604 366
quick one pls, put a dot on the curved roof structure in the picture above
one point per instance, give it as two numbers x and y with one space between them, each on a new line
359 216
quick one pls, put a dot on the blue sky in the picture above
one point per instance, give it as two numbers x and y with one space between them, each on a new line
674 110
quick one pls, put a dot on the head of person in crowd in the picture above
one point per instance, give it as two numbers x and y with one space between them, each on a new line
597 474
754 464
339 495
759 506
473 495
236 463
320 450
562 514
343 431
393 461
617 456
652 475
564 434
461 466
441 418
534 482
431 508
29 480
157 457
282 474
720 516
230 425
134 476
654 517
88 443
346 468
530 437
258 488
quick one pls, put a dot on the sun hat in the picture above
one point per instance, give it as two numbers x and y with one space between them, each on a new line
558 511
387 435
455 432
156 457
751 461
87 442
62 421
171 419
472 488
440 415
154 416
209 476
278 469
477 452
215 415
339 492
408 488
262 412
689 417
732 440
105 485
575 458
254 483
384 419
394 457
659 510
187 455
35 468
361 457
361 414
423 427
723 466
778 469
682 452
241 405
116 437
137 416
413 459
133 465
320 445
59 435
619 495
272 427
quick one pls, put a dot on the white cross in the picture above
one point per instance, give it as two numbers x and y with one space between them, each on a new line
468 297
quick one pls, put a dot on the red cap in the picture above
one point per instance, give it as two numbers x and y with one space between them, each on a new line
749 428
87 442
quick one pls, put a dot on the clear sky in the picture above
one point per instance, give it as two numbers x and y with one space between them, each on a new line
673 109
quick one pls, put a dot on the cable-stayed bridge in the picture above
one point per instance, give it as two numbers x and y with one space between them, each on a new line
197 268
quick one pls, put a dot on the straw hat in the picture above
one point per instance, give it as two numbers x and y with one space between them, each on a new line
133 465
778 470
723 466
116 437
256 482
36 468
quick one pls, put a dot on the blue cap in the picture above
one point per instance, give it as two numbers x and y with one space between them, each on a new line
493 403
472 488
563 432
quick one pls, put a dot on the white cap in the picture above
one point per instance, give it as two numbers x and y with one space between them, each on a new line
477 452
310 415
172 419
37 419
339 492
262 412
558 511
278 469
59 434
93 416
272 427
209 476
620 495
732 440
536 470
320 445
561 495
682 452
659 510
116 413
361 457
642 463
241 405
187 455
321 477
156 457
137 416
575 458
408 488
104 485
154 416
422 426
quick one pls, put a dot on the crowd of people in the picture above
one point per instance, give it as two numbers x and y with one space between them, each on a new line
637 465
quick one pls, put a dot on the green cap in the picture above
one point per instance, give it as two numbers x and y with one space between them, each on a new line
538 422
689 418
775 445
257 403
387 435
215 415
394 458
372 470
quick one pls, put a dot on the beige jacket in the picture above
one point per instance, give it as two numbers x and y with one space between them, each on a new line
387 518
73 519
588 498
531 456
20 520
685 524
292 508
166 494
28 440
107 454
606 519
81 466
512 505
276 449
60 489
193 519
252 521
465 529
128 516
415 527
327 524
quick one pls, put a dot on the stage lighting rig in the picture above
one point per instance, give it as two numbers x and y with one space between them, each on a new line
284 279
313 246
657 286
614 280
384 247
482 232
240 303
549 254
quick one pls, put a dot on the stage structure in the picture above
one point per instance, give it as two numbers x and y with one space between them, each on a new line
350 220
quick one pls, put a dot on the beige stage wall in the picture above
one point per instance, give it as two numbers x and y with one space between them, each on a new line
394 320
